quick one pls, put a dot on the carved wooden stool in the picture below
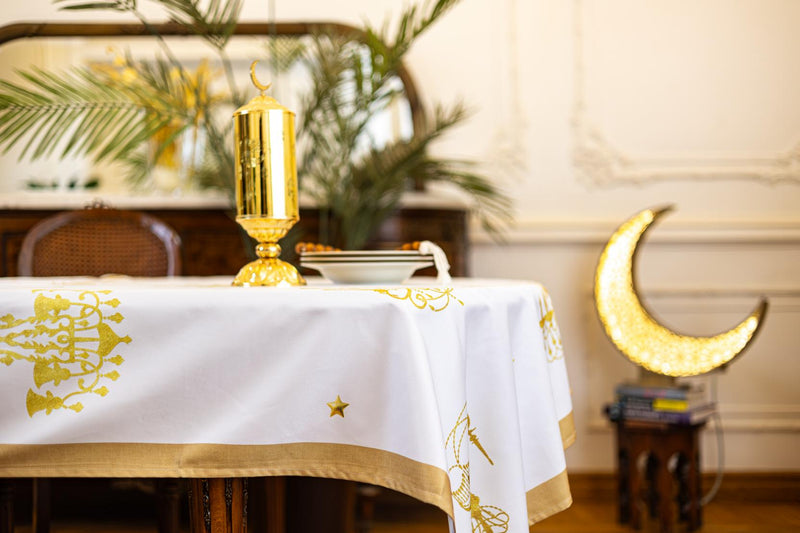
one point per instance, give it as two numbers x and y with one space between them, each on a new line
665 493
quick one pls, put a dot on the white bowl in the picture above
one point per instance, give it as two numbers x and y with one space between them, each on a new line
362 272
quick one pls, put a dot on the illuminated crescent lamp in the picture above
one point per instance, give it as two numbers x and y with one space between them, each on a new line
634 331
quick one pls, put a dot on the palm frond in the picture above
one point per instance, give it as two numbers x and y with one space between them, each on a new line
413 22
215 23
99 113
285 51
81 5
343 98
77 108
353 79
380 175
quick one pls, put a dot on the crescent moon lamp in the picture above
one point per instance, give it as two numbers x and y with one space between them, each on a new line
635 332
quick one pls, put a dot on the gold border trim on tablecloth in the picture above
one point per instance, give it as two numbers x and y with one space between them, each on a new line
567 427
340 461
549 498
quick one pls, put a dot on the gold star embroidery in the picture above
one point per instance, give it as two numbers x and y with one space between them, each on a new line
337 407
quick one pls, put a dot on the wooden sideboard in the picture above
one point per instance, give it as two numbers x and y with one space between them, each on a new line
213 244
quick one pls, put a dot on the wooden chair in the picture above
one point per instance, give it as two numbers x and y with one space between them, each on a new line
97 241
92 242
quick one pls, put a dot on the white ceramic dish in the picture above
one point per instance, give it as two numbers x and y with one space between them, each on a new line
384 259
361 272
372 254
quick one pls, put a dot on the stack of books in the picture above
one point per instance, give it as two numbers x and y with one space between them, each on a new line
679 404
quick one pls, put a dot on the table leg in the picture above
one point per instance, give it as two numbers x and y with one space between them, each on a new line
275 504
682 473
331 511
218 505
168 505
365 506
652 464
266 504
42 491
663 482
693 481
624 486
6 506
623 476
635 490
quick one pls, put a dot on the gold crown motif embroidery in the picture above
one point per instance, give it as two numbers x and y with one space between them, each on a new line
69 341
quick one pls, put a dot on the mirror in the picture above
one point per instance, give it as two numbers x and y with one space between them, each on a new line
56 47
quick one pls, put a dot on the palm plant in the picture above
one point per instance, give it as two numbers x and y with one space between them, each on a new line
359 183
114 114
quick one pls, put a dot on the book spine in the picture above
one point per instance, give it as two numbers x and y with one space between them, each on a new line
655 404
658 392
669 417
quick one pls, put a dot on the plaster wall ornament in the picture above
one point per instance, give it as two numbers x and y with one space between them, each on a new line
599 162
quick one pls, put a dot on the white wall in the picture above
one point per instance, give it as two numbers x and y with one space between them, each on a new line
588 111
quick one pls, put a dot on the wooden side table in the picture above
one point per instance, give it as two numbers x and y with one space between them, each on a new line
664 491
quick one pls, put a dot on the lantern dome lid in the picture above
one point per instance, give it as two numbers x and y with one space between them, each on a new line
260 103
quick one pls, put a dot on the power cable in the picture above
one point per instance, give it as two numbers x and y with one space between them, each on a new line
720 447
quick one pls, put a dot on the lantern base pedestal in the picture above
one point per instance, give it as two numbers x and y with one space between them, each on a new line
268 273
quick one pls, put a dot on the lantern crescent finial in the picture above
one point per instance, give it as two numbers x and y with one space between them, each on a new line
260 86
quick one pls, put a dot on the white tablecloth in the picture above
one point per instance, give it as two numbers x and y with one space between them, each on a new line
456 395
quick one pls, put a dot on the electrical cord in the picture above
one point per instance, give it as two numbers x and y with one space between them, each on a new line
720 447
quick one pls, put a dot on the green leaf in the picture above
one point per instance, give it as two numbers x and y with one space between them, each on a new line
85 111
115 6
216 24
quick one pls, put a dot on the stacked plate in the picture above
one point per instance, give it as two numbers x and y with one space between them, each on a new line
366 266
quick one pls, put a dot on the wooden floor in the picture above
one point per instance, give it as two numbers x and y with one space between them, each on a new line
751 506
718 518
582 517
600 517
586 517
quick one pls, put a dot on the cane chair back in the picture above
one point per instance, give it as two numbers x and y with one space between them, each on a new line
98 241
94 242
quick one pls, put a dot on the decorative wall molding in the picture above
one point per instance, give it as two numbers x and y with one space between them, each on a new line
708 301
539 231
737 486
600 163
506 150
757 417
739 418
735 417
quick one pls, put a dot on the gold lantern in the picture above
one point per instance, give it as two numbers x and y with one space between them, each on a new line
266 186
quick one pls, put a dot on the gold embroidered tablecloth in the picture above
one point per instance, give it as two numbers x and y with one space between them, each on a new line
456 395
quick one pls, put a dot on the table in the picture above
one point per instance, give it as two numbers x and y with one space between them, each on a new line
660 442
456 395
